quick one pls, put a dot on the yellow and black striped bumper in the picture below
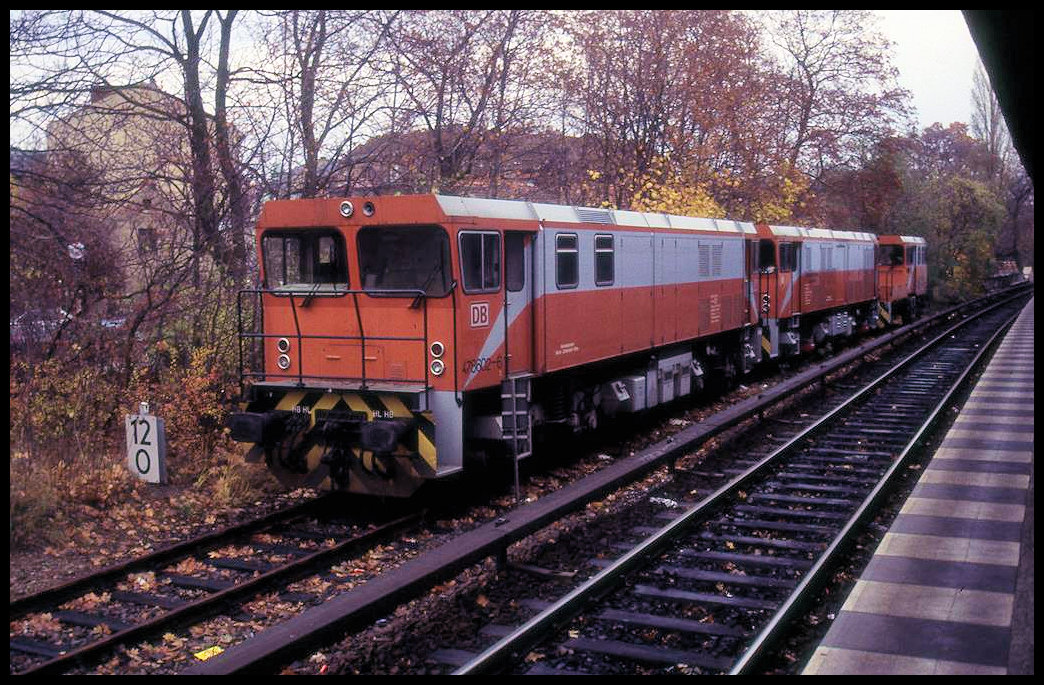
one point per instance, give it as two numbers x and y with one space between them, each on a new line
309 424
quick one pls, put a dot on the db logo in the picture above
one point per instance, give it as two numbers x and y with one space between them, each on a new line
480 315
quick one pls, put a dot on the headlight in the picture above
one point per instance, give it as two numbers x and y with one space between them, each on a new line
437 367
283 345
283 362
346 209
437 349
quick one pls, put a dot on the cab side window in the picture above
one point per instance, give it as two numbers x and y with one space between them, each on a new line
480 261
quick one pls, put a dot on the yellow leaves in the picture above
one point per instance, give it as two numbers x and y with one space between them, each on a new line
348 569
314 585
781 193
173 640
190 566
205 654
142 582
101 630
232 552
36 625
667 189
88 602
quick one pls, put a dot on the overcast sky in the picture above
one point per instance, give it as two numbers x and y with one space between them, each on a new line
936 57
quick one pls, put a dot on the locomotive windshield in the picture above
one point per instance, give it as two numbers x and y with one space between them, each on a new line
296 260
404 258
890 255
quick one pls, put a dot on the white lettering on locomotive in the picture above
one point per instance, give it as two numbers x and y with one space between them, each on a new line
480 314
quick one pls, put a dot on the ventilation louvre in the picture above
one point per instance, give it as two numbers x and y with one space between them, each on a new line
594 216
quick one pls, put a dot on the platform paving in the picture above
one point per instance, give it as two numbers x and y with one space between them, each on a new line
949 590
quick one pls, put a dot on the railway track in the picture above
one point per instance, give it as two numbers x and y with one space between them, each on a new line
80 621
356 611
186 597
711 590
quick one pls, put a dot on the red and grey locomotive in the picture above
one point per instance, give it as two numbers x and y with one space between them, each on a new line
397 333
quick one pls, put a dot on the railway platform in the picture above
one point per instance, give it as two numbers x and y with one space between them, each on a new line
949 589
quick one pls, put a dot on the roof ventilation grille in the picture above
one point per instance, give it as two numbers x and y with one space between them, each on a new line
594 216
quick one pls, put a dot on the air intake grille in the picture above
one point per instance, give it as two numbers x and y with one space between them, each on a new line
594 216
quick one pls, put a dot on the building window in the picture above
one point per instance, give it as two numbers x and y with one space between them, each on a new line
147 240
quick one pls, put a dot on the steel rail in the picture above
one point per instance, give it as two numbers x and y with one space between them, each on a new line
205 605
817 575
78 586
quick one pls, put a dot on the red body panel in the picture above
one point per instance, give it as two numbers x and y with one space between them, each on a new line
585 327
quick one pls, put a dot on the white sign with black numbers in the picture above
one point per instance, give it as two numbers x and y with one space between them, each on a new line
147 448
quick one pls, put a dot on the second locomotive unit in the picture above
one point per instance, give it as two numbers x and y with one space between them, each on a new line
400 333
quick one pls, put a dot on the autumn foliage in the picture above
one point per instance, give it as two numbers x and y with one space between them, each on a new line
68 442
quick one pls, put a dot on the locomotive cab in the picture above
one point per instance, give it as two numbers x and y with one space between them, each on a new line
356 329
902 277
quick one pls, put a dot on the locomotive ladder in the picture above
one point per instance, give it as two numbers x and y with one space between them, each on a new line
515 421
514 412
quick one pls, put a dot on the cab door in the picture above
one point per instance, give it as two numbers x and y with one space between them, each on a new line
752 282
518 302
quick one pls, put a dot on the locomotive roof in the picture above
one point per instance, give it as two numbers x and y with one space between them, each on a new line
798 232
322 211
518 209
892 239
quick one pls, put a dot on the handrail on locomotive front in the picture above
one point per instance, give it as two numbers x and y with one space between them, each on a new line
418 297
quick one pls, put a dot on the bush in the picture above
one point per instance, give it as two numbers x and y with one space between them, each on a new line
68 443
60 407
192 399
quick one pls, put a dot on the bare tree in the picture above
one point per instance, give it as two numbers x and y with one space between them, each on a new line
839 93
321 66
168 184
671 97
1003 170
453 71
987 124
